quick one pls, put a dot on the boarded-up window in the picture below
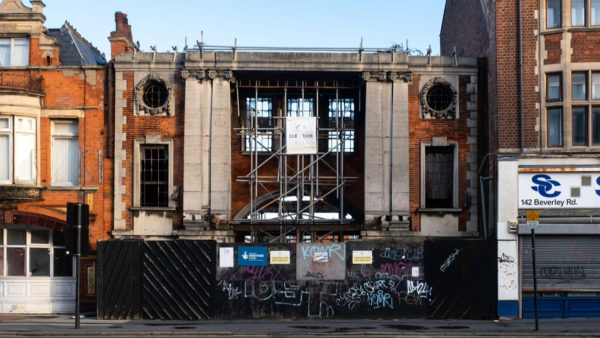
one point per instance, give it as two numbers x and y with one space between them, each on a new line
439 180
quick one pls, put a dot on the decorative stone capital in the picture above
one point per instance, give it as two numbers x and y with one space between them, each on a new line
401 76
220 73
198 74
374 76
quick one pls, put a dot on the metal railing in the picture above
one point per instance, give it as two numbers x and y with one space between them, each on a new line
21 82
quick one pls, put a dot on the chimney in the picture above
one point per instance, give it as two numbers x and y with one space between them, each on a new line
120 39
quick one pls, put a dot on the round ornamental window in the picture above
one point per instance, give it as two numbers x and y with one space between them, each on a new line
155 94
438 99
440 96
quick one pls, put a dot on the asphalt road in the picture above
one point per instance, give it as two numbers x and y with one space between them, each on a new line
13 325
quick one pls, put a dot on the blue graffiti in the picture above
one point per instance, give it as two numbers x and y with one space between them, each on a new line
544 185
598 182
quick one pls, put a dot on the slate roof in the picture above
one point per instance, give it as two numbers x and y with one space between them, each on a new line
74 49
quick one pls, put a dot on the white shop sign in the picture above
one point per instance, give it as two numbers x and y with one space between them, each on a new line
559 190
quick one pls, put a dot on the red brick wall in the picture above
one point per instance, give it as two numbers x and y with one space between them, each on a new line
585 46
552 42
509 134
422 130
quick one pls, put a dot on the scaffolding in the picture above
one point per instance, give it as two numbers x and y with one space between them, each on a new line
294 202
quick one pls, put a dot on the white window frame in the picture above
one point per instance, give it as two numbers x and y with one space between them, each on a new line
7 132
14 132
72 135
440 142
13 44
28 246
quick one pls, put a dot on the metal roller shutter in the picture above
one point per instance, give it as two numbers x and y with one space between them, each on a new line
563 263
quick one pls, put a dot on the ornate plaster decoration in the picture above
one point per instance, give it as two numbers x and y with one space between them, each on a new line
153 96
211 74
438 99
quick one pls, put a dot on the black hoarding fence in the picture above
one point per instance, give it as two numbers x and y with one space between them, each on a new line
463 275
119 279
178 279
408 278
169 280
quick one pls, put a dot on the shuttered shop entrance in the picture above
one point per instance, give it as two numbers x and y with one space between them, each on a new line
568 276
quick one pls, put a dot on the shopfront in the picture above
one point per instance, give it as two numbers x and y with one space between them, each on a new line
36 273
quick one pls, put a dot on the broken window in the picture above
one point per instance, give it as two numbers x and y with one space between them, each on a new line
259 114
341 118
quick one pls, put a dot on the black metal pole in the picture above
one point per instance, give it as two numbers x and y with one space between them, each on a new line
535 300
78 255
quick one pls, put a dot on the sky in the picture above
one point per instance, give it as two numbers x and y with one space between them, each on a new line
256 23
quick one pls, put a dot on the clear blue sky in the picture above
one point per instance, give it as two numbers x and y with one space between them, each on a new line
270 23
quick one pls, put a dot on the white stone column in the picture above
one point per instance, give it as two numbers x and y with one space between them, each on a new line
221 145
386 140
197 105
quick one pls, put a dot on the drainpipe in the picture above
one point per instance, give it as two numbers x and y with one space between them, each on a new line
521 76
391 151
540 74
210 117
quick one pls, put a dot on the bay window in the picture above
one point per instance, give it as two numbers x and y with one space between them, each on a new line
14 52
18 141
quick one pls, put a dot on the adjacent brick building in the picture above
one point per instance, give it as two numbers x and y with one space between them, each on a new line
544 127
52 151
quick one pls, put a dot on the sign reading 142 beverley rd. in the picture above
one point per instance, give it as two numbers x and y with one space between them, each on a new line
559 190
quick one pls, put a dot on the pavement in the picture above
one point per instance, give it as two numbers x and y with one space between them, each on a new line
64 326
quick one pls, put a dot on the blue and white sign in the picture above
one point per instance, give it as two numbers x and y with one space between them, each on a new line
559 190
252 256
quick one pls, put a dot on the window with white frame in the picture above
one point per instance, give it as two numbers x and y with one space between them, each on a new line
341 119
553 14
65 153
259 124
14 52
33 252
18 141
439 175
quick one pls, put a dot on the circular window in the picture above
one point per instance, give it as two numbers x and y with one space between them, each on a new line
438 99
155 94
440 96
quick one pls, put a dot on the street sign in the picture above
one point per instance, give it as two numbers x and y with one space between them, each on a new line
533 219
